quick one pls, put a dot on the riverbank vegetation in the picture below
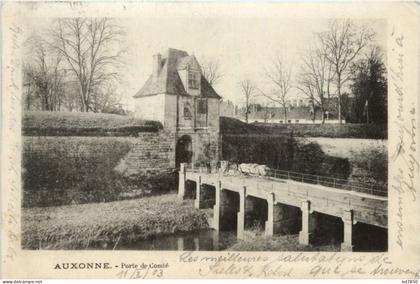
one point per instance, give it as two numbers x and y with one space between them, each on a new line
258 242
108 225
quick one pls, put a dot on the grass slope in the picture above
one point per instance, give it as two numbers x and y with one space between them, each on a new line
348 130
83 124
232 126
108 224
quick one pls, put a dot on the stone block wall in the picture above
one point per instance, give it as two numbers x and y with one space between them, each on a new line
77 169
150 153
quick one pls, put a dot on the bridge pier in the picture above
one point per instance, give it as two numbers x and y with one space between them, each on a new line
216 207
240 208
180 244
273 222
225 209
198 195
205 195
241 214
281 218
308 224
347 244
182 181
215 240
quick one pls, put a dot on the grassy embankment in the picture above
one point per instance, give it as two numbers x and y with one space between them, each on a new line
44 123
348 130
109 224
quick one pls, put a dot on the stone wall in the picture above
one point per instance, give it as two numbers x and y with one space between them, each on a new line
76 169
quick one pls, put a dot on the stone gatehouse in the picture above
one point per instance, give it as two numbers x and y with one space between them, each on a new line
177 95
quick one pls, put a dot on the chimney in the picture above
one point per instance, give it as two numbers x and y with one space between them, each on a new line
157 63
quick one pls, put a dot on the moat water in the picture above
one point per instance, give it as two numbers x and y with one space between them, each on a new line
208 240
366 238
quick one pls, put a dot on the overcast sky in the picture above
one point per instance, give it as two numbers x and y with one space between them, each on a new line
243 46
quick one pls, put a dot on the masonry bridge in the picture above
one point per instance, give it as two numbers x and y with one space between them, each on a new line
283 204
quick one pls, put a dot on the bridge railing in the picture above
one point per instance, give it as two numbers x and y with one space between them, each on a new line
329 181
374 189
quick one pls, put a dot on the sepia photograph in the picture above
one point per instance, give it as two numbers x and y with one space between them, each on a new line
155 139
163 140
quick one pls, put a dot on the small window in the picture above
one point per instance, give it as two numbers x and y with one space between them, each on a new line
202 106
289 121
193 80
297 121
187 112
281 121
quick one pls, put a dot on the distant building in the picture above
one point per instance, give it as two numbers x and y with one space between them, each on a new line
297 111
178 95
227 108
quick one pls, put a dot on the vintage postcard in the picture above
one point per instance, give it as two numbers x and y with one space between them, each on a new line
147 140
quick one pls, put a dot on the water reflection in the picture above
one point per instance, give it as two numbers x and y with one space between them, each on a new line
196 241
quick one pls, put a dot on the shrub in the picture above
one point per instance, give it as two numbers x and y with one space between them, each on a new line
375 162
285 153
309 158
273 151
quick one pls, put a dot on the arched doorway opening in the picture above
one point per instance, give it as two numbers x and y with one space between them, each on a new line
183 150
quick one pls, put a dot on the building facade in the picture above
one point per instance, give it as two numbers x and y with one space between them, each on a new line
177 95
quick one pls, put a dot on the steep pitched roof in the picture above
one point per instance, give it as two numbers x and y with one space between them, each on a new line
190 61
207 90
168 81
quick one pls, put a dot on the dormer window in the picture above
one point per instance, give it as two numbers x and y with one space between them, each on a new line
193 80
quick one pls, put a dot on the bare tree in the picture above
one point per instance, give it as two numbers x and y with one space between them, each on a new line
248 91
88 45
280 75
306 86
43 75
315 79
210 68
343 42
29 93
106 99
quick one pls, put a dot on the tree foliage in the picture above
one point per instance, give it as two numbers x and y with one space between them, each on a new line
74 66
343 42
43 77
87 46
369 87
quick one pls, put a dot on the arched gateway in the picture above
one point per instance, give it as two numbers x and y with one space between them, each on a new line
178 96
183 150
